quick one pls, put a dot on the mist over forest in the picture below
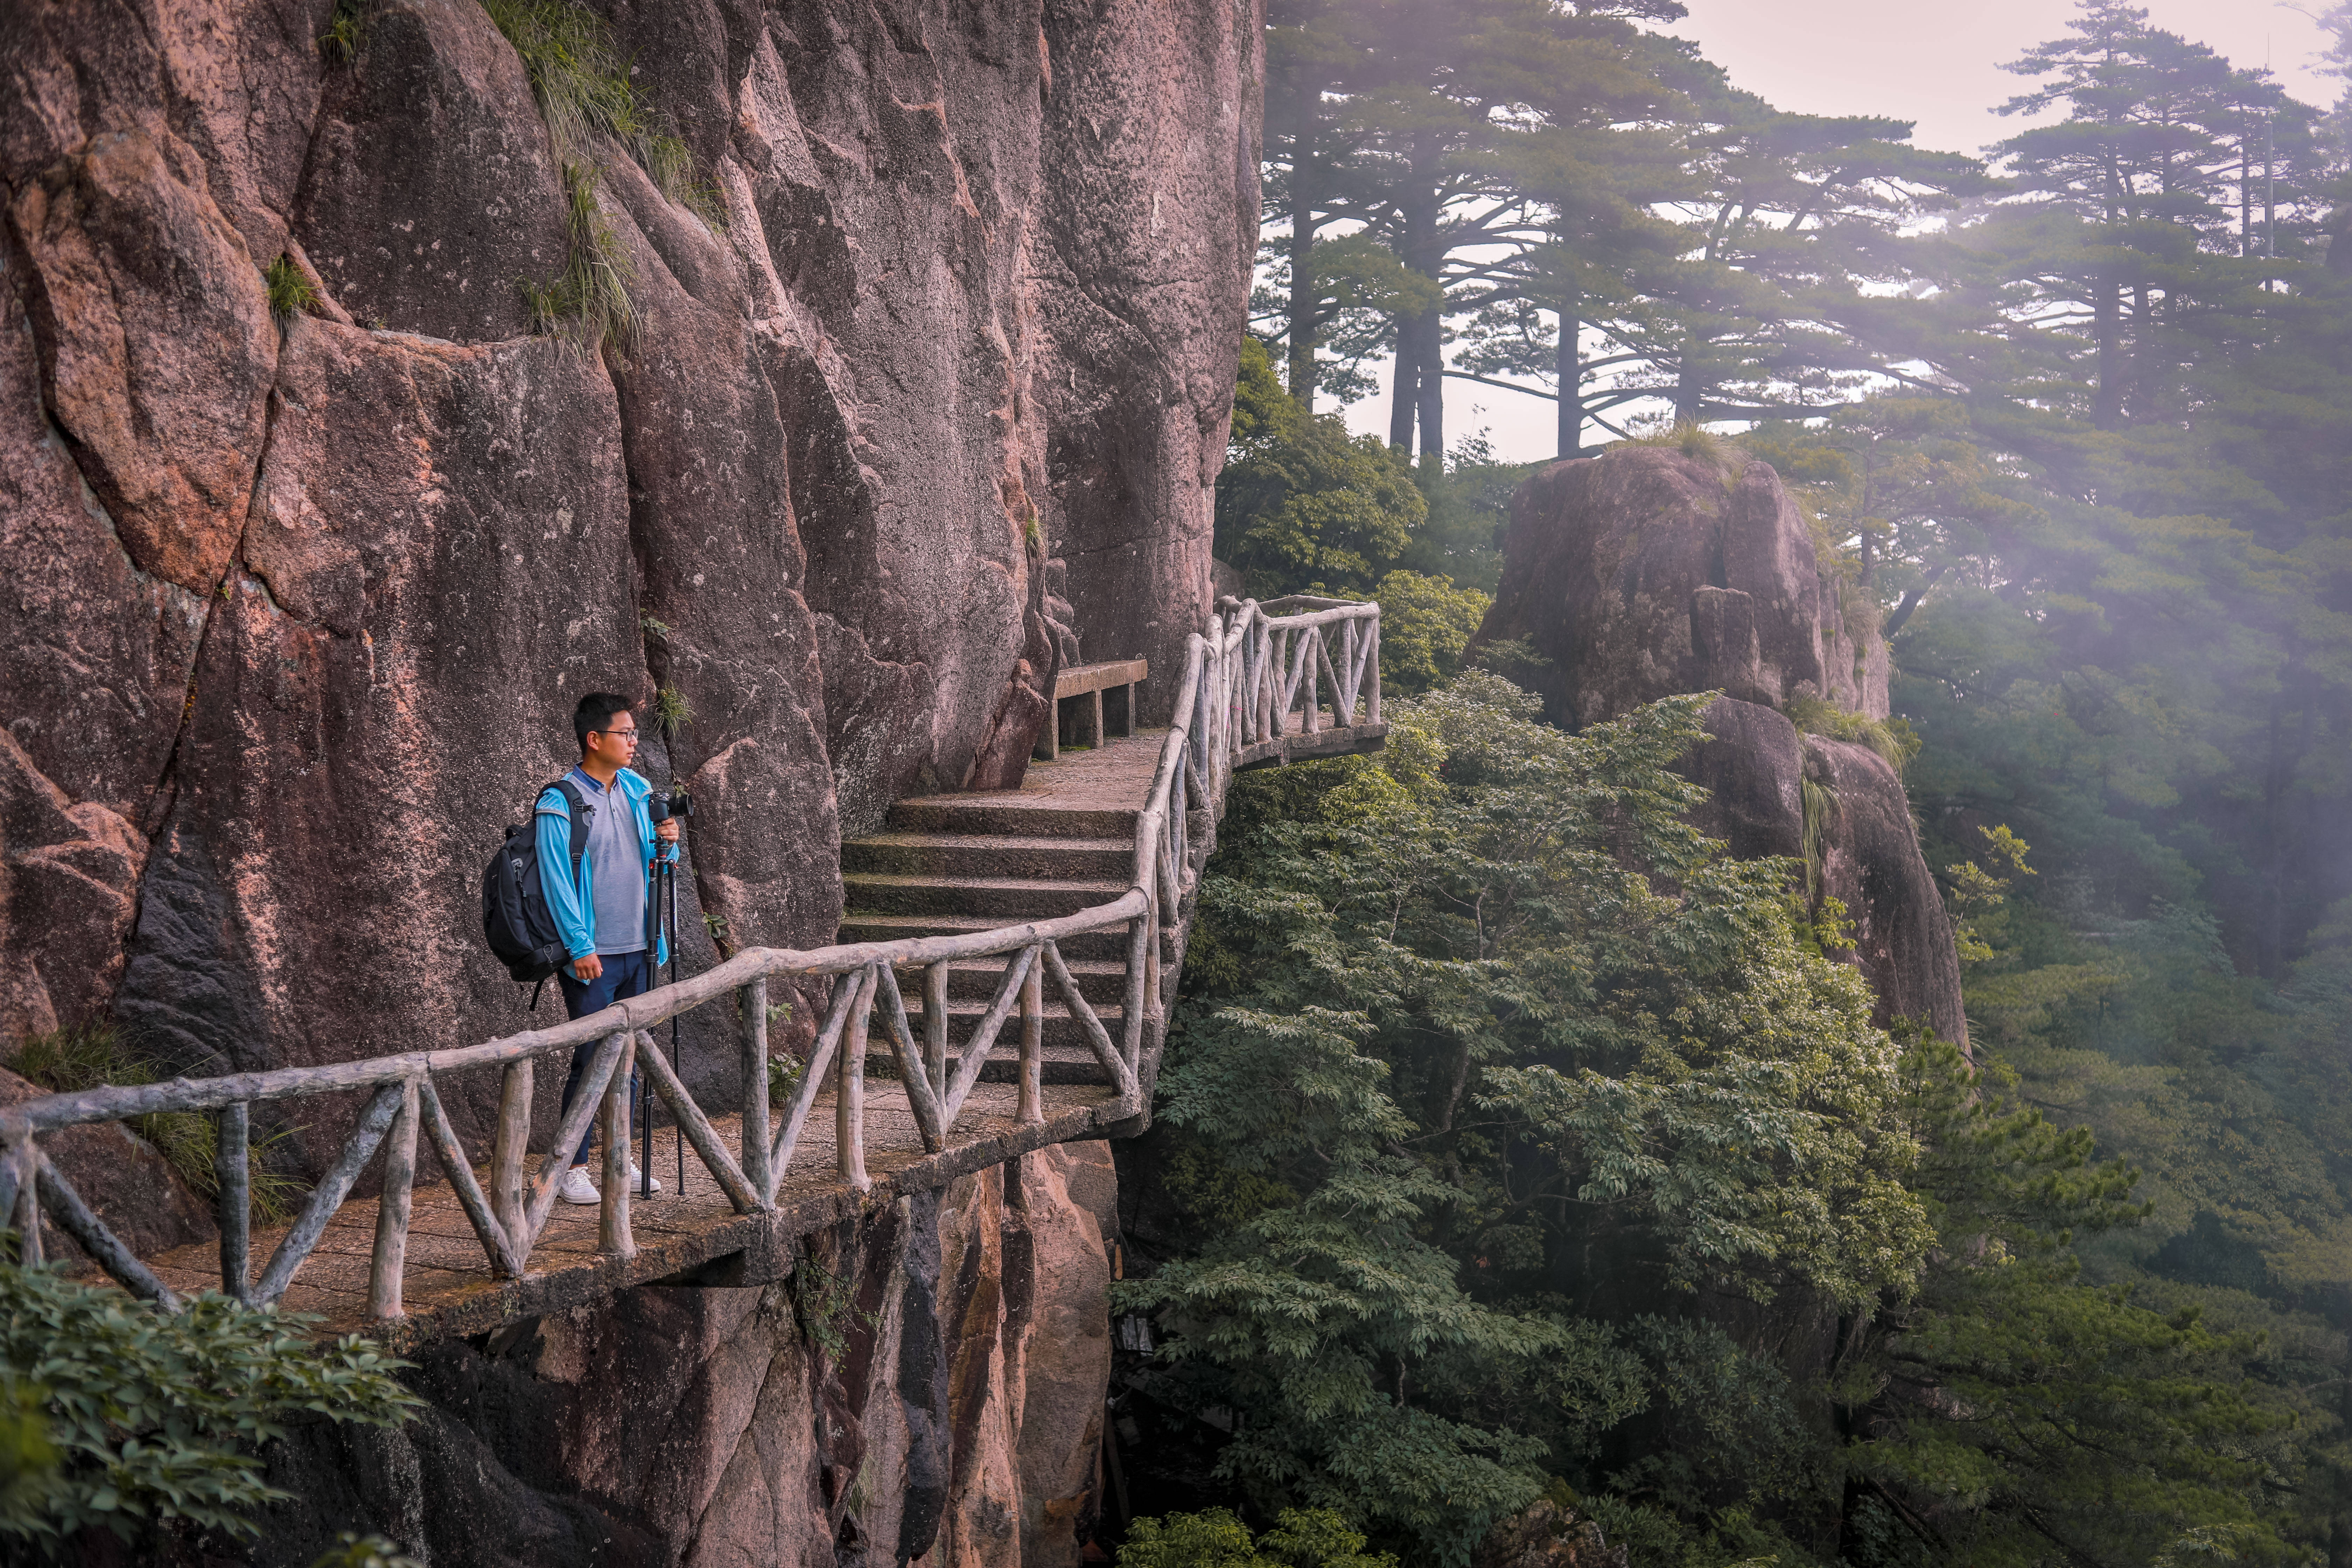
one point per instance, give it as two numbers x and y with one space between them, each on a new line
1520 1147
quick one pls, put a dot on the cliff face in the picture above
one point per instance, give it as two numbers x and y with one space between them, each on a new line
1647 572
927 1388
298 605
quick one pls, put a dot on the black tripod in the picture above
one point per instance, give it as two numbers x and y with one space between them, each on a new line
665 872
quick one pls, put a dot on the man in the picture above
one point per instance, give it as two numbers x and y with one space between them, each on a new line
606 918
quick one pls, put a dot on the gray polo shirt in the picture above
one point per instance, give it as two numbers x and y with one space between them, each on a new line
617 859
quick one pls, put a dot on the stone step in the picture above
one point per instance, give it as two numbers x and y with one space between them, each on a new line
1102 946
1057 1064
1006 900
1100 980
1060 1027
993 855
1007 813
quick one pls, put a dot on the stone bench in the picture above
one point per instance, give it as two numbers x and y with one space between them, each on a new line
1078 693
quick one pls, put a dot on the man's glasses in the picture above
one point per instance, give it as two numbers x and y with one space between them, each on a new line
630 735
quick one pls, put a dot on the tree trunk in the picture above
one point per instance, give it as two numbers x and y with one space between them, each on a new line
2108 325
1569 371
1405 400
1690 390
1430 329
1305 185
1423 392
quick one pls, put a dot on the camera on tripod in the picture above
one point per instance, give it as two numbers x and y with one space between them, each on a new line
677 804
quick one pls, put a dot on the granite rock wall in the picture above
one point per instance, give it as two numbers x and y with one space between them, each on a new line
930 393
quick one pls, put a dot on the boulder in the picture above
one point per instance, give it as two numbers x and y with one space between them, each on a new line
1871 862
1755 764
1650 572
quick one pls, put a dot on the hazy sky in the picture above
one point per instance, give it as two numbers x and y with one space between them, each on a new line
1936 62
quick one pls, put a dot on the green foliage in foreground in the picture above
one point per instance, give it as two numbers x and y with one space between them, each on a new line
1523 1140
1301 1538
115 1415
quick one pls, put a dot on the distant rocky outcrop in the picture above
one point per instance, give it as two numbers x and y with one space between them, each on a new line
1650 571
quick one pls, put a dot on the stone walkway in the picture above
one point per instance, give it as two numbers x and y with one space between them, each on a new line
1062 842
693 1237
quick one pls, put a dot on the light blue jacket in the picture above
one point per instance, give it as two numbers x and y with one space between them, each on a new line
573 904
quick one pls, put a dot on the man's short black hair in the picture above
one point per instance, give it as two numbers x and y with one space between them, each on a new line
595 711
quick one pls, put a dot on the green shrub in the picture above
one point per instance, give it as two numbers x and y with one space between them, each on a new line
1425 622
1217 1538
364 1551
144 1417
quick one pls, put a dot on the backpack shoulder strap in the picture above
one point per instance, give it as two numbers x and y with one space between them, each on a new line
581 812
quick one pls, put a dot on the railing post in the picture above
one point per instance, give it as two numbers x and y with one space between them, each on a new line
614 1236
1139 938
232 1177
509 1151
27 1218
849 1089
391 1255
1151 960
935 1025
751 1010
1310 703
1350 674
1032 1040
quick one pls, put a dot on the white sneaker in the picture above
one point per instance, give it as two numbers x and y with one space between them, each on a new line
637 1183
576 1188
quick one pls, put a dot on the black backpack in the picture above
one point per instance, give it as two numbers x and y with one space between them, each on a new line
514 921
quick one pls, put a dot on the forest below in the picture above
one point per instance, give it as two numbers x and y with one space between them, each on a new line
1518 1143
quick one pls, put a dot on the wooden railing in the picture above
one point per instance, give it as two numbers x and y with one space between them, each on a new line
1238 688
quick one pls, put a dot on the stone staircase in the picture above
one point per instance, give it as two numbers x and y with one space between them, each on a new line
946 863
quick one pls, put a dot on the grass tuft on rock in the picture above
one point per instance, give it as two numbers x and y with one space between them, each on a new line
588 302
292 294
347 27
1726 457
1892 738
583 85
68 1062
671 710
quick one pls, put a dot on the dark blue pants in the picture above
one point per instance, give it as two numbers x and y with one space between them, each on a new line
626 974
